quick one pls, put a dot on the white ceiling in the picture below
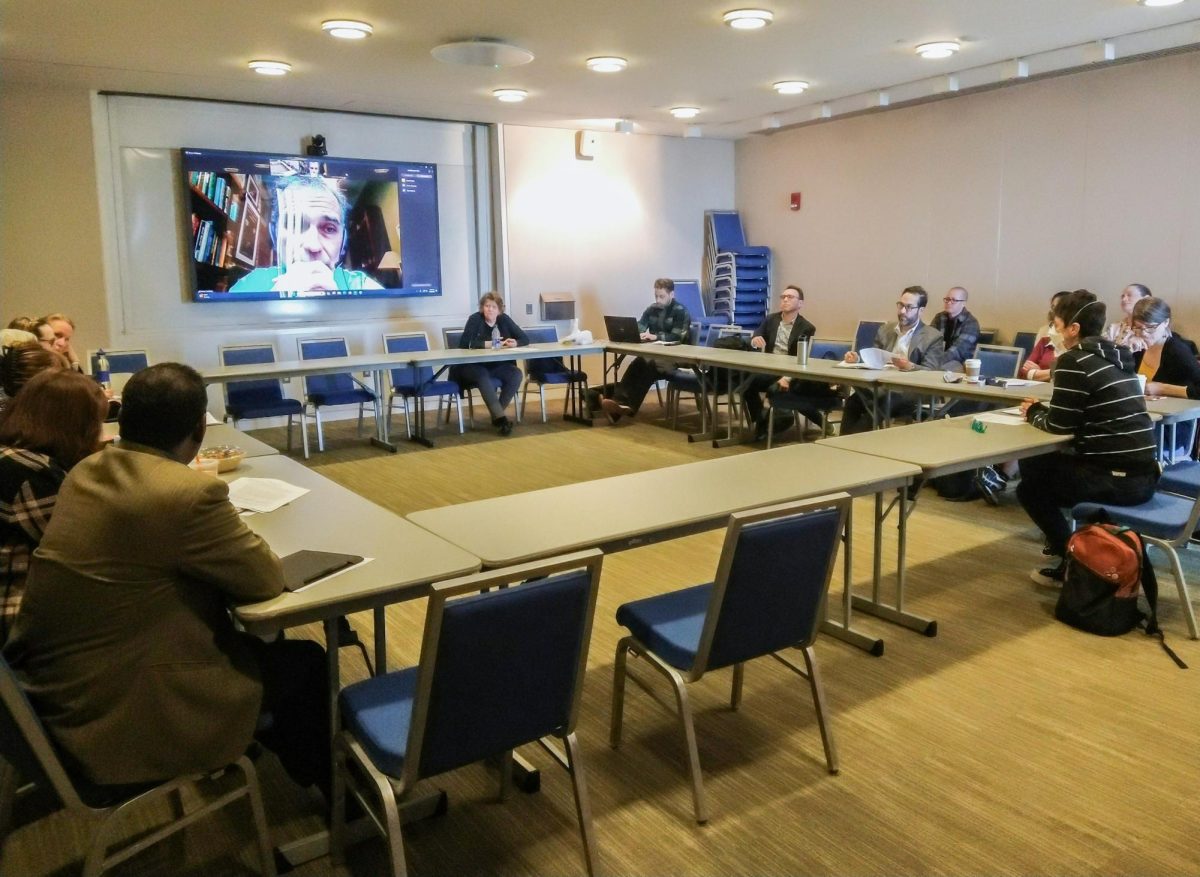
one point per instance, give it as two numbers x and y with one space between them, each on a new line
678 52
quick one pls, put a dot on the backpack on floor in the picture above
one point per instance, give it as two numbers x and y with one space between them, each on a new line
959 487
1107 569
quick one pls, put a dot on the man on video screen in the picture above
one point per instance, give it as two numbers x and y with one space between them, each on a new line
308 230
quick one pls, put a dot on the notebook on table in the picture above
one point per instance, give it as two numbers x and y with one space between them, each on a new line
303 568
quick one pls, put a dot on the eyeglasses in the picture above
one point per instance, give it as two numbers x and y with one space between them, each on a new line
952 300
789 295
901 306
1146 328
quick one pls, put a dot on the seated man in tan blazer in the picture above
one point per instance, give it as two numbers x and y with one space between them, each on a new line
124 641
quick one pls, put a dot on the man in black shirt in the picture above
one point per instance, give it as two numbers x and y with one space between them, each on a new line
666 321
959 329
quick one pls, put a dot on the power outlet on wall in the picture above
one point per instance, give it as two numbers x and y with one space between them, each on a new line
528 308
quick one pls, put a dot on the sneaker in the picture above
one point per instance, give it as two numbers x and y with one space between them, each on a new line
991 484
1050 576
615 410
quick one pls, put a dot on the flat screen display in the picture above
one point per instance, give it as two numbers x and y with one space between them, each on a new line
263 227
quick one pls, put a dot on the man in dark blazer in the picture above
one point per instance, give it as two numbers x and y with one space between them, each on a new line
959 328
780 332
124 641
916 345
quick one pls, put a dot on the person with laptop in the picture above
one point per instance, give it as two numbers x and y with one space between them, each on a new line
124 641
666 321
914 345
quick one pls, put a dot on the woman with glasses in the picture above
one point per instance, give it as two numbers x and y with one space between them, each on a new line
1121 333
1166 360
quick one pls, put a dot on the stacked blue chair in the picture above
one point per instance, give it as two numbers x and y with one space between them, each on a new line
738 275
337 389
497 670
688 294
261 397
757 606
551 370
409 383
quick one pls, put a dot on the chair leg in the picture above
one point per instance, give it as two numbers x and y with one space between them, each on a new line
304 432
358 430
693 752
289 434
1180 583
542 399
506 772
458 405
735 694
266 855
407 417
770 427
583 805
618 698
818 696
320 433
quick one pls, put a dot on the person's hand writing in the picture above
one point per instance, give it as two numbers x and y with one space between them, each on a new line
851 356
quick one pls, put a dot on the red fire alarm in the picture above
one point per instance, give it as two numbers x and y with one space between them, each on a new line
795 205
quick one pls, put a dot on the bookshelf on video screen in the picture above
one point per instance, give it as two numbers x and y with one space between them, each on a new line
264 227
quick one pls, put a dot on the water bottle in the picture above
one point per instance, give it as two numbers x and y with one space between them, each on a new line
802 351
495 337
102 373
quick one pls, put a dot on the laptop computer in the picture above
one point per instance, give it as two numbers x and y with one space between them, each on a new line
623 329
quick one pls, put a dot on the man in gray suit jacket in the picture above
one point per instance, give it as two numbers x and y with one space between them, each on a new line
917 346
124 641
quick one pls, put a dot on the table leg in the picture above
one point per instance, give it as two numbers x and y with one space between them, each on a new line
381 439
875 606
574 405
380 641
843 630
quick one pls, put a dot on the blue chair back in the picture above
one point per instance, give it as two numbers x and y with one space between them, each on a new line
326 348
122 363
865 336
999 362
407 376
451 337
727 229
687 293
986 336
254 393
771 581
500 669
1025 340
835 350
539 368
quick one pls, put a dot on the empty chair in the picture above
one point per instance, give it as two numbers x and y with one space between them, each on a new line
835 350
322 391
409 383
1025 340
987 336
996 361
864 336
770 585
122 365
497 670
450 338
687 293
1166 521
26 752
551 370
260 397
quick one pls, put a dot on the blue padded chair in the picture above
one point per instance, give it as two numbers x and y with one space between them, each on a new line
122 365
450 338
1166 521
261 397
767 597
687 293
549 371
322 391
497 670
408 383
27 753
996 361
987 336
835 350
685 381
864 336
1026 341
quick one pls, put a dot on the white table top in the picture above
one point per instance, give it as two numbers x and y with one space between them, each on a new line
943 447
642 505
332 518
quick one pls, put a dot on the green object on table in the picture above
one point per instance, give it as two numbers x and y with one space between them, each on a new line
978 426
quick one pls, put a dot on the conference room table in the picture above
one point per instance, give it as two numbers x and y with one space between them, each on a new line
629 511
374 367
218 434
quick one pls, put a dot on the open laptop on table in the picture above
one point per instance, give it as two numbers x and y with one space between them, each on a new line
623 329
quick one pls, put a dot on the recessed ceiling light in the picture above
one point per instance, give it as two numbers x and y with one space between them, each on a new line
607 64
685 112
748 19
1159 2
623 126
510 95
270 68
936 51
791 86
347 29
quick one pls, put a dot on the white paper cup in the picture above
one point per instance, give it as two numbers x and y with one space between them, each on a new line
1142 383
971 367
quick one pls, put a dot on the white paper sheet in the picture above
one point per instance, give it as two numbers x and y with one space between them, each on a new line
262 494
1005 416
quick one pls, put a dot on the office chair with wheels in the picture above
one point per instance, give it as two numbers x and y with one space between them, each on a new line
497 670
770 586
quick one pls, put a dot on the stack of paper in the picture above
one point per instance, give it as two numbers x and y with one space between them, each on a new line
262 494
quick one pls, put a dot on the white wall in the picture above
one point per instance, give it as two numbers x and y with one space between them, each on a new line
1088 180
605 229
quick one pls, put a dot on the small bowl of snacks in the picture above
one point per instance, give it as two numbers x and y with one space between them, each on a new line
227 456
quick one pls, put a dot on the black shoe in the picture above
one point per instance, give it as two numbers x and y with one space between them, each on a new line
1050 576
990 484
503 425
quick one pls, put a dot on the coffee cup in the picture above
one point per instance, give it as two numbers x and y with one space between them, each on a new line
971 367
1142 383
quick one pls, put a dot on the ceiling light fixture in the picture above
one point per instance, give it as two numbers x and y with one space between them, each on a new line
685 112
270 68
482 52
937 51
791 86
607 64
748 19
1159 2
510 95
347 29
623 126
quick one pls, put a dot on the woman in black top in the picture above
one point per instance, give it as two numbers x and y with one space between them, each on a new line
497 382
1167 361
